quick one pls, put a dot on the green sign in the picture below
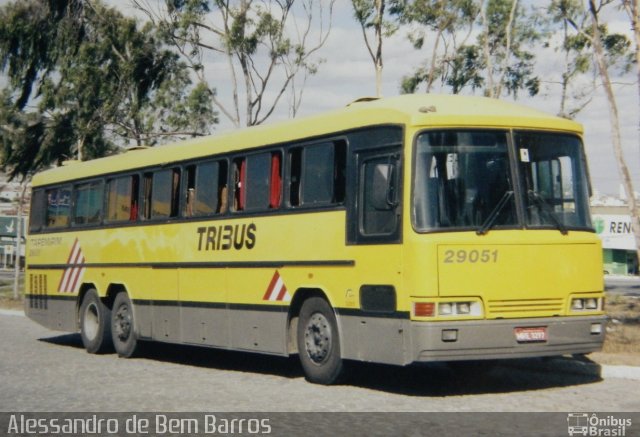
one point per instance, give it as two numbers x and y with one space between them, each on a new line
8 226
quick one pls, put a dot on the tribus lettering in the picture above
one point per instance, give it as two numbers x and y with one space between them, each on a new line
227 237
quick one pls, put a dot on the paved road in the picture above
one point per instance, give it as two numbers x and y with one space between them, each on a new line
628 286
42 370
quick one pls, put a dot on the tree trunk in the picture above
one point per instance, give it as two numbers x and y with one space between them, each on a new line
489 90
615 125
380 5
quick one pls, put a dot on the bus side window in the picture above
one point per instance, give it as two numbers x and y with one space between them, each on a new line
223 190
135 187
147 185
257 182
190 195
239 184
295 175
58 207
165 194
205 185
257 186
318 174
276 180
37 216
87 208
122 195
339 171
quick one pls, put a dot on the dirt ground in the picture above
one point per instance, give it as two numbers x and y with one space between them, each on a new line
622 344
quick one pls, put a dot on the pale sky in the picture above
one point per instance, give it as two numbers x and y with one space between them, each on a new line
347 73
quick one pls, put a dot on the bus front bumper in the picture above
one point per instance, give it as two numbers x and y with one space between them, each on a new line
506 338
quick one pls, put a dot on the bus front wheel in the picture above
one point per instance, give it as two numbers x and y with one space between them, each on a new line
319 342
95 323
122 326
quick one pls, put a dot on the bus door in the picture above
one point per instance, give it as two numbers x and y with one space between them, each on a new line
375 227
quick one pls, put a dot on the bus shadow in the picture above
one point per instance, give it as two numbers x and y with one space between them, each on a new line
432 379
470 378
68 340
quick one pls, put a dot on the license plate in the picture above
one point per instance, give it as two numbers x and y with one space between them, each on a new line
531 335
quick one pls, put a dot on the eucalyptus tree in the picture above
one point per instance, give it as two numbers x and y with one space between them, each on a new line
607 49
507 35
442 28
577 57
476 44
84 80
370 14
267 46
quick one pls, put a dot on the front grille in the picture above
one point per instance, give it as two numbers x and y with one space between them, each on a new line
516 307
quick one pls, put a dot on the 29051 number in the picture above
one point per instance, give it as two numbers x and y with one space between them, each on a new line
470 256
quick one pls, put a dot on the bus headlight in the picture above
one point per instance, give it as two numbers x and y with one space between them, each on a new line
591 304
445 309
577 304
586 304
463 308
448 309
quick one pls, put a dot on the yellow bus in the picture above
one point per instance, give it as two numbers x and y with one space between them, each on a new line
410 229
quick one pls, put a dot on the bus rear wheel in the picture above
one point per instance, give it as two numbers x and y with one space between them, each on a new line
319 343
95 324
122 326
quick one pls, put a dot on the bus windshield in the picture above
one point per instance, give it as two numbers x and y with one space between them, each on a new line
464 180
554 177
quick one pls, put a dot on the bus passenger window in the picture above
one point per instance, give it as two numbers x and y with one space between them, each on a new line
257 187
276 180
135 184
295 178
37 215
318 174
165 194
88 203
122 194
257 181
239 184
147 185
204 184
58 207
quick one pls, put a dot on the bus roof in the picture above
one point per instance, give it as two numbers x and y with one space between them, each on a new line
428 110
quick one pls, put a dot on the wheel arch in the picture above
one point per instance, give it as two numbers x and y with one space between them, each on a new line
300 295
112 291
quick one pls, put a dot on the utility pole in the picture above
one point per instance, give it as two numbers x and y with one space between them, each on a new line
16 267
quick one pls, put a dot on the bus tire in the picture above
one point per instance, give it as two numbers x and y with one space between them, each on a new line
319 343
95 324
122 326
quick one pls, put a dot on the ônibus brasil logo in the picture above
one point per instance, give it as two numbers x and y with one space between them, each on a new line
593 425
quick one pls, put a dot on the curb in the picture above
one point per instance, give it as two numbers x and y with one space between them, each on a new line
18 313
620 372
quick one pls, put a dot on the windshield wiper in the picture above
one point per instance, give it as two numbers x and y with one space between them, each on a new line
546 208
490 220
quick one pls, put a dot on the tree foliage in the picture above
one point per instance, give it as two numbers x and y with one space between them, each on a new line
442 21
267 47
499 61
83 80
